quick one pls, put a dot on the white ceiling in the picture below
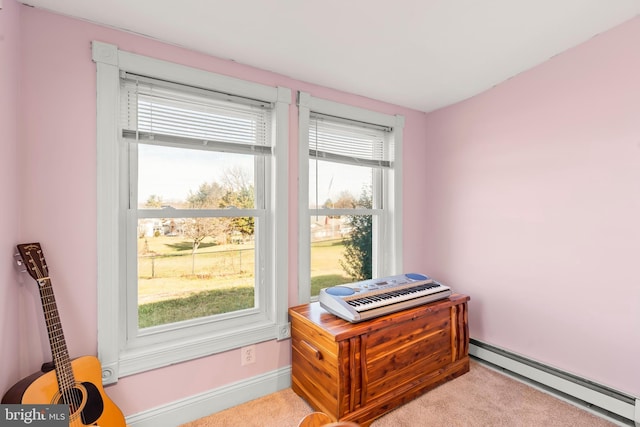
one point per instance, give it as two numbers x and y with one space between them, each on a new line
421 54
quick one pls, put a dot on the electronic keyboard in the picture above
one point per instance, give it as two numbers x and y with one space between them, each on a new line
358 301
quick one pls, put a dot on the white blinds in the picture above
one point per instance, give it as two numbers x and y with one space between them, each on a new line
165 113
344 141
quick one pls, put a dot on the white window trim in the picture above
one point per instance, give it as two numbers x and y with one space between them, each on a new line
118 360
391 262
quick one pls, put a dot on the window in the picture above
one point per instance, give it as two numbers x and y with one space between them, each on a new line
350 194
192 187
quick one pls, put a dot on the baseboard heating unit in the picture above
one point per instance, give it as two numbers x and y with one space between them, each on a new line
615 406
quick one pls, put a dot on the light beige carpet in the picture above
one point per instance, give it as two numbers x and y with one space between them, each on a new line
481 397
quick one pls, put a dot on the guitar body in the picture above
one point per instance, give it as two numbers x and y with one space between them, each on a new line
89 403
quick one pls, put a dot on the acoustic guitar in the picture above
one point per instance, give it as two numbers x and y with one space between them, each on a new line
77 382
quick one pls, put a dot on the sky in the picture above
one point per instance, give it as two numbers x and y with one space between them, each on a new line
172 172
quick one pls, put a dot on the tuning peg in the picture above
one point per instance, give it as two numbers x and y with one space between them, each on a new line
20 263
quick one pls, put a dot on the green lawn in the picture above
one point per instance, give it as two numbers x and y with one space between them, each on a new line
325 265
174 286
200 304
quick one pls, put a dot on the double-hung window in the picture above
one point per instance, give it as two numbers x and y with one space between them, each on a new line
350 194
192 223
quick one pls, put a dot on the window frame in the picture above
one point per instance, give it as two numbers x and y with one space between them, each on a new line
118 355
389 217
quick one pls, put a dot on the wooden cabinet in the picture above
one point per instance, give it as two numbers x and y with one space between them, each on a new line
358 372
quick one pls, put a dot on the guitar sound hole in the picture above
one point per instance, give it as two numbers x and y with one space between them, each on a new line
74 398
85 402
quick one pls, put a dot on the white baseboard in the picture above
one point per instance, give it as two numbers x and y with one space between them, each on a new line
203 404
616 406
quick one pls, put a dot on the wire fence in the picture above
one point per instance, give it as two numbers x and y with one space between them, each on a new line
201 264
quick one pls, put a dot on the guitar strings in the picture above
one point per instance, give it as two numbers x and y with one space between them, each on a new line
62 364
66 377
64 373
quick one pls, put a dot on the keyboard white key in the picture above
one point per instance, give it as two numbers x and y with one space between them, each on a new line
381 299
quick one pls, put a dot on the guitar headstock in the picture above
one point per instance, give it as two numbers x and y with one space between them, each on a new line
33 260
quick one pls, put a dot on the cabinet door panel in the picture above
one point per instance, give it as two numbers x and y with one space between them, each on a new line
315 365
392 357
317 380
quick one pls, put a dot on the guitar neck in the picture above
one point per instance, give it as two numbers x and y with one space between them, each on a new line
59 352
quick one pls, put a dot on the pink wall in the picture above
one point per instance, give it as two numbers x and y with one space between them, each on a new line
528 190
535 194
10 293
58 198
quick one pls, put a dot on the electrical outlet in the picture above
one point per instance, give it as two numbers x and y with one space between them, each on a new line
248 355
